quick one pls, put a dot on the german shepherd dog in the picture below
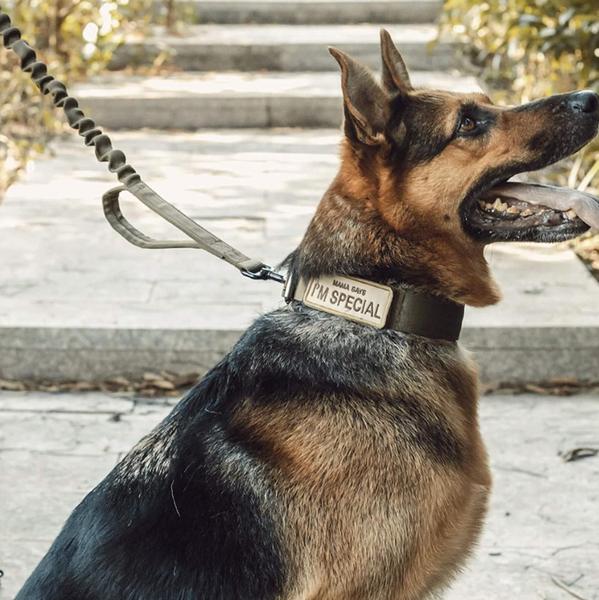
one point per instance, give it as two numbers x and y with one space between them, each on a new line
324 458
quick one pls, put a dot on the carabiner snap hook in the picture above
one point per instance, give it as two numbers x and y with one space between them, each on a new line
265 273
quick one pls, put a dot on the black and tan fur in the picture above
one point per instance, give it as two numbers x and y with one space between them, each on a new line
322 459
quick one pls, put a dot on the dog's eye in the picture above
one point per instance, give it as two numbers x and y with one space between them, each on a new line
467 125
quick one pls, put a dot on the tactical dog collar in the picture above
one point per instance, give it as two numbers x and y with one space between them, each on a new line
380 306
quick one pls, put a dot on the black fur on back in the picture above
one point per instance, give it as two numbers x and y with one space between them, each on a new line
178 518
190 513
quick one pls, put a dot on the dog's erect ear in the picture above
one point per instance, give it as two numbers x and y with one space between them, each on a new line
365 103
395 73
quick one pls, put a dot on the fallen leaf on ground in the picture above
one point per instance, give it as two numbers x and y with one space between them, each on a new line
579 454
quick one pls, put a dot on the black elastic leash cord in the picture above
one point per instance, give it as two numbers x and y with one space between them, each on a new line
126 174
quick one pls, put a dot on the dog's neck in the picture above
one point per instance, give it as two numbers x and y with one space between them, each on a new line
348 236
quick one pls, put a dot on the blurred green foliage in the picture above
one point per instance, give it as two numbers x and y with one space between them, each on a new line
531 48
75 38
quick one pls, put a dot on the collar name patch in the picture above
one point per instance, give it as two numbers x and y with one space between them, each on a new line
349 297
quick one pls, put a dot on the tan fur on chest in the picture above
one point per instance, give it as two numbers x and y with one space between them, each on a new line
369 512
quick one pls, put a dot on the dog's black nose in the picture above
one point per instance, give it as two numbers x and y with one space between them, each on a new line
585 101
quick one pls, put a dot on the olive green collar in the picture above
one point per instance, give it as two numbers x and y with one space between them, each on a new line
380 306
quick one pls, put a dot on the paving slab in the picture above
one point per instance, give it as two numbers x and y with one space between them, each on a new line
78 302
283 47
200 100
541 528
302 12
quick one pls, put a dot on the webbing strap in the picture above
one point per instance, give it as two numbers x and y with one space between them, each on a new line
202 238
131 180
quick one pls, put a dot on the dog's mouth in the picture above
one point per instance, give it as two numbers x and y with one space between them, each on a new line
515 211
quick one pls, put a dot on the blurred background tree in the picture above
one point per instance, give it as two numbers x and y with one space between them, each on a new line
525 49
76 39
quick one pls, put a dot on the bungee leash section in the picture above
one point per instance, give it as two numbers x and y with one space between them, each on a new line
131 181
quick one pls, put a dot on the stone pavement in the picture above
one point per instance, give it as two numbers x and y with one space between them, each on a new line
283 47
78 302
543 524
314 11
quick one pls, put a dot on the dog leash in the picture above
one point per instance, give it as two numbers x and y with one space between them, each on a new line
132 182
375 304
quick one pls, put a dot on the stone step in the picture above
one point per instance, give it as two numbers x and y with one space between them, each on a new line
282 47
314 12
193 101
78 302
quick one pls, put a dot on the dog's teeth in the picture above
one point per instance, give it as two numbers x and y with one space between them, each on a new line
513 210
501 205
526 212
497 205
571 214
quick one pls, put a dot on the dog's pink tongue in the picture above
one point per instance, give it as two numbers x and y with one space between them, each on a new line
584 205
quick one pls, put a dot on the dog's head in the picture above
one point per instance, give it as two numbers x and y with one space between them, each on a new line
433 167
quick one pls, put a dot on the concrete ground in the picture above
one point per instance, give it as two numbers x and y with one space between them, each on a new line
541 534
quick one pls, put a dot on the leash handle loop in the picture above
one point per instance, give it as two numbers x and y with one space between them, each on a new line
203 239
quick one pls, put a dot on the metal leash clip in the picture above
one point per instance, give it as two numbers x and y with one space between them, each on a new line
265 272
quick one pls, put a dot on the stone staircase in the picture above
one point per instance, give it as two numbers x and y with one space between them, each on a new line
264 64
78 302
